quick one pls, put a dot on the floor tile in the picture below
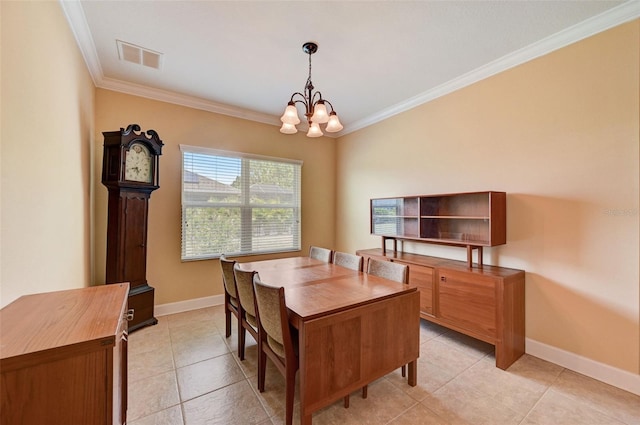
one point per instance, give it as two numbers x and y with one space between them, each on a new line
151 395
418 415
149 363
438 364
611 401
235 404
209 375
429 330
190 317
197 343
149 338
559 409
471 346
170 416
506 388
461 404
384 402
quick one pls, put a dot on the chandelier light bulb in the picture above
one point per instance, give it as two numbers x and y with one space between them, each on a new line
314 130
334 124
290 115
288 128
320 114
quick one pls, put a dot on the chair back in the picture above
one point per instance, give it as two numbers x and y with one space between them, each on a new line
273 318
389 270
244 284
350 261
228 277
322 254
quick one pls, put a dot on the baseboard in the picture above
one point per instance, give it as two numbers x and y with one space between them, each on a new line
602 372
194 304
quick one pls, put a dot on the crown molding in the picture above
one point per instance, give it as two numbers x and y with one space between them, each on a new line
606 20
616 16
80 29
185 100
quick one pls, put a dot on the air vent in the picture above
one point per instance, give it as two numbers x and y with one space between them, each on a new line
138 55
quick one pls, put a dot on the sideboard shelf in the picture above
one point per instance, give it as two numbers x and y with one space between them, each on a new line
473 220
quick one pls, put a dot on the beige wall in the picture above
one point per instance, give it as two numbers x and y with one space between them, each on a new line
560 135
46 140
172 279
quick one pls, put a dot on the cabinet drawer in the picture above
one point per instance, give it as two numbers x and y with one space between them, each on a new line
468 301
421 277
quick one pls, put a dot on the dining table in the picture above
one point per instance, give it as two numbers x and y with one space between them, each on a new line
353 327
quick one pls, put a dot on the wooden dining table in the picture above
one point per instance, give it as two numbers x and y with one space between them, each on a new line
353 327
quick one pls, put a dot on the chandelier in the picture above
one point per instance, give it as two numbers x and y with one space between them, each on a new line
315 108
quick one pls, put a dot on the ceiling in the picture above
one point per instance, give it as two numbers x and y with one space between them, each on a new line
375 58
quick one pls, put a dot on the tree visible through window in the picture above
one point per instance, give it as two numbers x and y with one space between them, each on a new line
238 204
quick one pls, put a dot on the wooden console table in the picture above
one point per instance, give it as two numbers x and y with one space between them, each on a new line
486 303
63 357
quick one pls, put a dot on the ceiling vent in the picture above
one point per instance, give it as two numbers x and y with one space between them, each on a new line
138 55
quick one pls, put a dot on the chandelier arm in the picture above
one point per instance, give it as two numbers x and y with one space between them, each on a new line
326 101
299 94
313 100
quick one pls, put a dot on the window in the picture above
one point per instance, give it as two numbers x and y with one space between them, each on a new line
238 204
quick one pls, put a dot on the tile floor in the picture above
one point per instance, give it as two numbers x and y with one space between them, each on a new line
184 371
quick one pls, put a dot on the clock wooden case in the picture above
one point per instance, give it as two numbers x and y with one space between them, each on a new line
130 172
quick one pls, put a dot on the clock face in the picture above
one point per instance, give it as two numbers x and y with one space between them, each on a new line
137 164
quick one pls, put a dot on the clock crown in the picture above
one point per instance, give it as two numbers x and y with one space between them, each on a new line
120 169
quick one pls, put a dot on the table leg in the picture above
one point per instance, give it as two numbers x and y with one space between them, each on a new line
413 373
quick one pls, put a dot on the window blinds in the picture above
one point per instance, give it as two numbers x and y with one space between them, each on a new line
238 204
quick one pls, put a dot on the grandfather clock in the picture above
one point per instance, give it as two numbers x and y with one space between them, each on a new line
130 172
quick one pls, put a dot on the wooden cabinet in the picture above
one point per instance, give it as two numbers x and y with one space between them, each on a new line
473 220
63 357
485 302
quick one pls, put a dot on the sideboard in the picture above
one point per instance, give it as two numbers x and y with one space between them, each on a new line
63 357
486 302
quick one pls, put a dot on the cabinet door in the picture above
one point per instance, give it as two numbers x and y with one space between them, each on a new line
421 277
468 301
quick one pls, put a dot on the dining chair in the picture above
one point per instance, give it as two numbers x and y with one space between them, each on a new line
392 271
388 270
248 321
277 340
231 302
322 254
350 261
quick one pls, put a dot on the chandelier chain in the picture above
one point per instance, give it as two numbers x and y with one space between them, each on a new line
309 83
